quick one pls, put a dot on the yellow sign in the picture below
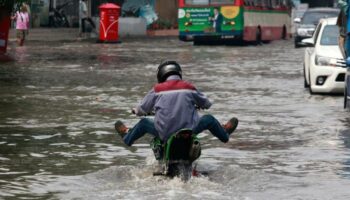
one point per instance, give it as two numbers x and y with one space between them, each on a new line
230 12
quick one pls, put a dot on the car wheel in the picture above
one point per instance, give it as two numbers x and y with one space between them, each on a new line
305 82
310 85
345 98
310 90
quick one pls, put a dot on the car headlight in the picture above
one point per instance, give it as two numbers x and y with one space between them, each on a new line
302 32
325 61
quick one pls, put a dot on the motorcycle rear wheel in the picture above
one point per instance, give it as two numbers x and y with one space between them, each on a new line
181 170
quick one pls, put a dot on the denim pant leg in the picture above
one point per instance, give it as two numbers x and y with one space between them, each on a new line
83 25
145 125
208 122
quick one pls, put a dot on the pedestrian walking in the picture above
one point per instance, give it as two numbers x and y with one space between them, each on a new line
22 24
84 17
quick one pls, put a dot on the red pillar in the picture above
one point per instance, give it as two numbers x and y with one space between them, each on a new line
5 22
109 22
4 33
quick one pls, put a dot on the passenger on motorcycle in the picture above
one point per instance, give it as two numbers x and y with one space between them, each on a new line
175 103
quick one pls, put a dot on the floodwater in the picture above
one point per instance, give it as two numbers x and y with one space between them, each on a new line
59 101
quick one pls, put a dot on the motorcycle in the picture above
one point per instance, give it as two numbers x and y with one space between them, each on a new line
177 154
57 16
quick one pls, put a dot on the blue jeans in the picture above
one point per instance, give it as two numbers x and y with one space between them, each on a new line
206 122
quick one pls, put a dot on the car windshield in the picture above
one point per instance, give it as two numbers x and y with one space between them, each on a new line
330 35
314 17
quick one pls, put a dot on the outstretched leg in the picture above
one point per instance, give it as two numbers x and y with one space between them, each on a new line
208 122
129 136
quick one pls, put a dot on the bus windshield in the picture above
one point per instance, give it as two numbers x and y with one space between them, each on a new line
207 2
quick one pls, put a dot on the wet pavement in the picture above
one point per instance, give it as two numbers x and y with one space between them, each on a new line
60 99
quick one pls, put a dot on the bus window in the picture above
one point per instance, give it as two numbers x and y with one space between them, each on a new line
285 3
222 2
258 2
273 3
197 2
267 3
278 3
248 2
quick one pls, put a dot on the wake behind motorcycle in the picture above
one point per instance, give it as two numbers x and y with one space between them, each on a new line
176 155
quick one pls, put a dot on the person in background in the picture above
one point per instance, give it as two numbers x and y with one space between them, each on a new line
83 15
22 24
343 24
28 8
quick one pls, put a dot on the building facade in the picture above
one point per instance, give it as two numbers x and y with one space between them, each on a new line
165 9
42 9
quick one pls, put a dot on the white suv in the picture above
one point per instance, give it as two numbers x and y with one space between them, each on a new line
324 66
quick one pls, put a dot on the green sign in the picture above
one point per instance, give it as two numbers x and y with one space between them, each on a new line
211 20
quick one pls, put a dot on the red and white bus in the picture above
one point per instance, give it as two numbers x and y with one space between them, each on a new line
247 20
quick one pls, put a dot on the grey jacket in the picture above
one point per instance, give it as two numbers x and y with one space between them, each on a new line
174 104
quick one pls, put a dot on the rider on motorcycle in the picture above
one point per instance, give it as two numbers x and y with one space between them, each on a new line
175 103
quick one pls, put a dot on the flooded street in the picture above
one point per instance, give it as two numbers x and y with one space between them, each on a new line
59 102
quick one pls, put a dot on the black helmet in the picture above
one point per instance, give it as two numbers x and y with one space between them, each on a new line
168 68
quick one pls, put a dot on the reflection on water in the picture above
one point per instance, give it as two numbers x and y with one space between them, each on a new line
345 137
59 101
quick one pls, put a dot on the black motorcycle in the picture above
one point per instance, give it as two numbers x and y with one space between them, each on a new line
57 16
